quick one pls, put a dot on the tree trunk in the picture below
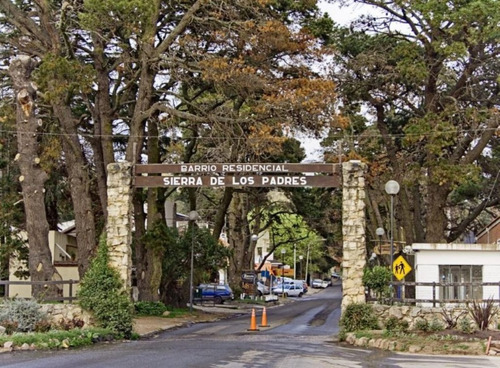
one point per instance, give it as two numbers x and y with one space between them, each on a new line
238 238
32 177
149 261
79 186
102 114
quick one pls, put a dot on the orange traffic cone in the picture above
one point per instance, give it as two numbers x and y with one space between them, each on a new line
264 319
253 323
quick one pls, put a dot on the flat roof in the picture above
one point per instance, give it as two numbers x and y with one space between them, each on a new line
455 247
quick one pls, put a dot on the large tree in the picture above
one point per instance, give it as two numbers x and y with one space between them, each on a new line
419 86
32 176
190 81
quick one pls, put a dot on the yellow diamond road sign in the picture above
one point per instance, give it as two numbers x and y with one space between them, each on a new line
400 268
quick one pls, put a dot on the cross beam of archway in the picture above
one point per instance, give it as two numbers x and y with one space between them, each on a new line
238 174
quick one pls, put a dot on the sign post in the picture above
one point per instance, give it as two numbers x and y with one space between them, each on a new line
400 268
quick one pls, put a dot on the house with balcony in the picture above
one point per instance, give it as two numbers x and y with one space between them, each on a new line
62 244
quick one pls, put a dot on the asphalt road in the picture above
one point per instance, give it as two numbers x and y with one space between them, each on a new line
302 334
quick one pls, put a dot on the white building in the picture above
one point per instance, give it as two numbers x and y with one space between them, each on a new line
457 263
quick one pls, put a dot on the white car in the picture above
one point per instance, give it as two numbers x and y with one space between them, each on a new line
262 288
289 290
320 284
317 284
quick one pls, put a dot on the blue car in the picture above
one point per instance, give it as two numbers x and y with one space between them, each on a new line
214 292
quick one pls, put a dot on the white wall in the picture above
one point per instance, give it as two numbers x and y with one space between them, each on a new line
428 258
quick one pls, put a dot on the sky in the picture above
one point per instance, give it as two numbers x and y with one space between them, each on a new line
342 16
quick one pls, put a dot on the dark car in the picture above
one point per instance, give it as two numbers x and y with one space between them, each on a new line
214 292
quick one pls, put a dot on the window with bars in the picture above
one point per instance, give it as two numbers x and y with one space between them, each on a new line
461 274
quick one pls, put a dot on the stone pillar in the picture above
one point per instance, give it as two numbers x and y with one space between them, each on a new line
353 231
119 226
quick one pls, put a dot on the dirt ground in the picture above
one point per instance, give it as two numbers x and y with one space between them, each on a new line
441 342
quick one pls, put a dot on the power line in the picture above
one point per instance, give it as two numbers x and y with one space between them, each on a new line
260 138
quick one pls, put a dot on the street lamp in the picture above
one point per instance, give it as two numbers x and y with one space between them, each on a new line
301 272
295 261
380 232
193 217
283 251
253 239
392 188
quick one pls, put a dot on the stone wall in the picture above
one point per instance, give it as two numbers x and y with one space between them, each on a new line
119 226
353 231
413 314
58 313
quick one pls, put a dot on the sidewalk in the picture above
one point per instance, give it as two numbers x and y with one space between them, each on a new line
148 326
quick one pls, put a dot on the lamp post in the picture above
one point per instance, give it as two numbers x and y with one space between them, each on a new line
253 239
283 251
295 261
380 232
301 271
193 217
392 188
307 265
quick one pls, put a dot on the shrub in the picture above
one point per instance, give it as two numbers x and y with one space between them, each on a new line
482 313
358 317
465 325
10 326
436 325
451 322
422 325
150 308
377 279
102 293
70 324
393 324
25 313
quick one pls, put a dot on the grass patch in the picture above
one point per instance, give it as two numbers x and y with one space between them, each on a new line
360 334
177 312
250 301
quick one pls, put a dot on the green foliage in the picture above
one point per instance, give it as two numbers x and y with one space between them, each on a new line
210 254
465 326
422 325
62 77
56 339
342 334
394 324
143 308
358 317
377 279
101 292
436 325
22 313
482 313
127 16
177 312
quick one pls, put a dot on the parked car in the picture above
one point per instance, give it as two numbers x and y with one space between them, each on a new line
319 284
336 275
262 288
218 293
289 290
304 285
328 281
